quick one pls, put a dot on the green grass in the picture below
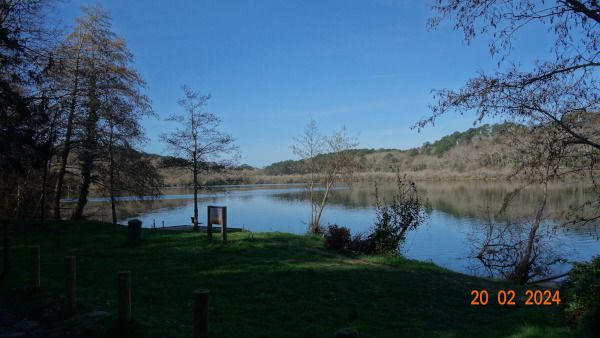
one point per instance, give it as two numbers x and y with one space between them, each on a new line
265 285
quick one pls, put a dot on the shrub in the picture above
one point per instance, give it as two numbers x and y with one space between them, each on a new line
405 212
361 243
336 237
583 297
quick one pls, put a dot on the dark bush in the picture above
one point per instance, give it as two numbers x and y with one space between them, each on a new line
396 217
336 237
582 296
361 243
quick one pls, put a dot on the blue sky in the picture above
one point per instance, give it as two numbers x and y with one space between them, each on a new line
272 65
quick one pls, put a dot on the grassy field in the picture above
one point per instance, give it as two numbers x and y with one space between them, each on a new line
261 285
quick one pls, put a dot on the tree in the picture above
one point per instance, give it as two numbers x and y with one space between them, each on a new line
557 98
26 122
396 217
111 94
67 76
124 170
326 161
198 139
558 91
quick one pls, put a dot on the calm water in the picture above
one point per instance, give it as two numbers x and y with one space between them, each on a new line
459 209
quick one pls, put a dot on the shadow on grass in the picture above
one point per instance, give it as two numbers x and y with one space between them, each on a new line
273 285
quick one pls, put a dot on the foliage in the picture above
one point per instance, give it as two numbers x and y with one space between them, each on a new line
395 218
172 161
583 296
336 237
361 243
387 160
27 110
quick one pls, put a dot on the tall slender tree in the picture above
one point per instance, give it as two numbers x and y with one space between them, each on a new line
198 139
67 75
106 77
327 160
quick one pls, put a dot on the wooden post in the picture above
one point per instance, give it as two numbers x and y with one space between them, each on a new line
224 224
124 296
208 224
201 313
70 282
7 251
163 223
35 267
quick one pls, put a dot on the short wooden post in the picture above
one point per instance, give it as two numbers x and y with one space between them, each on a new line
35 267
208 224
201 313
124 296
163 223
70 282
7 251
224 225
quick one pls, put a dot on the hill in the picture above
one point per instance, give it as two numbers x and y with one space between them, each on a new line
477 150
482 152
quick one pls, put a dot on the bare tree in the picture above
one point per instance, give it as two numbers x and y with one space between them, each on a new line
557 98
309 145
120 131
198 140
67 77
327 161
111 91
561 92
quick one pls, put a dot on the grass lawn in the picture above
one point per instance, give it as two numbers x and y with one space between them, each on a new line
261 285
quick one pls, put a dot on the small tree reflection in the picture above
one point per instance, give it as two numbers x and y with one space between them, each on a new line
519 251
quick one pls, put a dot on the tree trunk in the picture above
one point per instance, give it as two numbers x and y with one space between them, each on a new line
328 187
195 162
84 188
43 197
67 146
88 151
111 164
113 208
521 272
195 197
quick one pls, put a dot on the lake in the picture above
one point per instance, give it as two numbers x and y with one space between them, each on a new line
459 210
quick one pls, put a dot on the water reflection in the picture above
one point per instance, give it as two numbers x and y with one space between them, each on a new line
459 211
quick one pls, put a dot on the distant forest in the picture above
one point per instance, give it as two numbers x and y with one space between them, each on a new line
486 144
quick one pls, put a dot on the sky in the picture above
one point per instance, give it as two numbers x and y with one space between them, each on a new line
271 66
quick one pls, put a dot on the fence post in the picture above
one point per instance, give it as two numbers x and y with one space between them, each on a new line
201 313
7 251
124 296
70 282
224 225
35 267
